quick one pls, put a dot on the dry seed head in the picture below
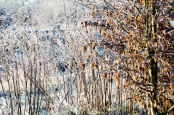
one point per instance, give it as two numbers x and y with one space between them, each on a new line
104 75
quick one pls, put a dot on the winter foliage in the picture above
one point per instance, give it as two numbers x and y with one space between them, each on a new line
86 57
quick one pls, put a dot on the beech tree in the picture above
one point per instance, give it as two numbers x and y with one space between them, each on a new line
140 35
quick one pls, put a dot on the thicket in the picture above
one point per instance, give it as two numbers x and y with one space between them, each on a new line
117 60
137 43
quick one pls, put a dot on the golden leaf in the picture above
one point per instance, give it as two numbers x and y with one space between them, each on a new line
107 80
140 18
131 32
171 86
113 37
94 44
109 21
143 103
125 21
108 36
142 2
103 33
93 13
109 12
136 98
82 66
117 79
168 103
119 61
127 38
94 64
115 15
84 48
163 99
144 44
127 83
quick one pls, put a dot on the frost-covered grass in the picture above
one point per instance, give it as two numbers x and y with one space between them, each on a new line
34 78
